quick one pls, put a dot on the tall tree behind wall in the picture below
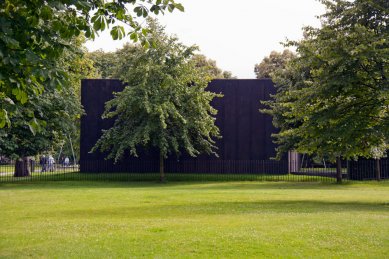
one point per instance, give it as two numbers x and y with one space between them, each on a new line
271 64
164 106
114 64
105 63
210 65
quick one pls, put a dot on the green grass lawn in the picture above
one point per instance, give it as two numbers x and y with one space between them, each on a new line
190 219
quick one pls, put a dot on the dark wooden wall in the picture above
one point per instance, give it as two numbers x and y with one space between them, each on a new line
365 169
246 132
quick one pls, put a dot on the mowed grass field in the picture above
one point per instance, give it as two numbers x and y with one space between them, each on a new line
194 220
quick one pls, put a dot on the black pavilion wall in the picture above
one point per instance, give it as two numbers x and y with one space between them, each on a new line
365 169
246 145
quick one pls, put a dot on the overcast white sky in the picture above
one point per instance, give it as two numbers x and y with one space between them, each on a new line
237 34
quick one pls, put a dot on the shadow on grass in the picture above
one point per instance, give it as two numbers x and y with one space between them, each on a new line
199 185
190 185
230 208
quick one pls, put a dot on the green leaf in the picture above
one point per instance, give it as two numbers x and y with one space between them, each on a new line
58 5
23 97
146 45
114 33
46 12
134 36
97 25
34 126
120 14
4 120
179 7
12 43
145 12
138 11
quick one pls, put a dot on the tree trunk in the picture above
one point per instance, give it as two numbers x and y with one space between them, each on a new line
378 169
338 170
22 167
161 168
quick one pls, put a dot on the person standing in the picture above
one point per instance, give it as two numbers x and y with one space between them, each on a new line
66 161
43 163
51 163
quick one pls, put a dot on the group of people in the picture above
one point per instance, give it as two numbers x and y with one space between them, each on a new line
47 163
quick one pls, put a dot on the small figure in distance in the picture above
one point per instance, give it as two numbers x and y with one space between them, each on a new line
42 163
66 162
51 163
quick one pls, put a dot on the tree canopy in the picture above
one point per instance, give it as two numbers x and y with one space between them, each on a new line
33 35
105 63
274 62
55 113
210 65
164 106
333 98
114 64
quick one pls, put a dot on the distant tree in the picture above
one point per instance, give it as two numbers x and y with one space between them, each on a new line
228 75
105 63
275 61
164 106
203 62
123 58
333 99
211 67
33 35
114 64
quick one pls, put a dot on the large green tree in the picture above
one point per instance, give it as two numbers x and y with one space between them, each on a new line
55 113
34 33
333 100
164 106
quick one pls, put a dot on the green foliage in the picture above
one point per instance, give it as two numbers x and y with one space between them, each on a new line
210 67
228 75
274 62
121 62
34 34
164 105
333 99
114 64
105 63
78 66
49 118
54 115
